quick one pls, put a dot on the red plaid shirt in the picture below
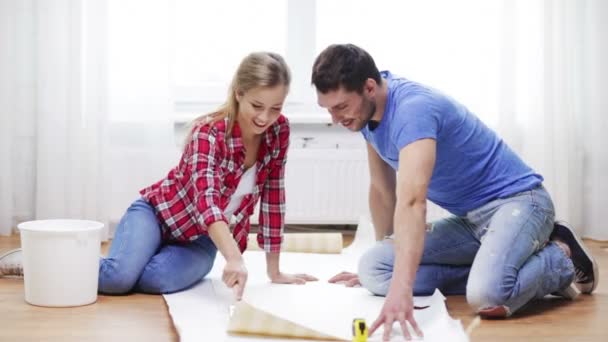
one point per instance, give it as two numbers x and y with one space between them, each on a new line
196 192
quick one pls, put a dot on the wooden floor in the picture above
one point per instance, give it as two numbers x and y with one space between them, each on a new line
145 317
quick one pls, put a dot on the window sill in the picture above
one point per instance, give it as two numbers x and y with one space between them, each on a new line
183 118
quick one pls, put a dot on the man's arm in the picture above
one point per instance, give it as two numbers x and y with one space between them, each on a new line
416 163
382 196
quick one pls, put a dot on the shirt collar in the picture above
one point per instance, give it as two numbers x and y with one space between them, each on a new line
236 138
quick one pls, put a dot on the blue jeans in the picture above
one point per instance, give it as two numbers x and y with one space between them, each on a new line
498 255
140 261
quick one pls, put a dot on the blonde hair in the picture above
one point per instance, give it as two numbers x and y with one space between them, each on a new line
258 69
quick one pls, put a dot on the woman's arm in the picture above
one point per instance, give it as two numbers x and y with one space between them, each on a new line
205 155
235 272
272 215
272 208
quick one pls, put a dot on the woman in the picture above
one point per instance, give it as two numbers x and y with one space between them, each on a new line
233 157
168 239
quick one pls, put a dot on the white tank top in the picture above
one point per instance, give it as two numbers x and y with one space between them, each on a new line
245 187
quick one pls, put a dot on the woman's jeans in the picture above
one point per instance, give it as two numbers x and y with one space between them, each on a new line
140 261
498 254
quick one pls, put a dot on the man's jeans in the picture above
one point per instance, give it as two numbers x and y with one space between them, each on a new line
139 260
499 254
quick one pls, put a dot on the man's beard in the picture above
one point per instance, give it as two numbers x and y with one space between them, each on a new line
369 106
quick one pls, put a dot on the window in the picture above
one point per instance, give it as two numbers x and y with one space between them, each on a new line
179 55
211 38
204 63
450 45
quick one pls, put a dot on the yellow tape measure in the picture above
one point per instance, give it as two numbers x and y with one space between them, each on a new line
359 330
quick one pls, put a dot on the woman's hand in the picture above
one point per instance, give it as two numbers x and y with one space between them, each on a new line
284 278
278 277
235 276
235 272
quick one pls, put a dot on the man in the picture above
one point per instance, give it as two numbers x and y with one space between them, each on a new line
501 246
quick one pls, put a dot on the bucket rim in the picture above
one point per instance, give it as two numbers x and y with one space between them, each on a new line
51 225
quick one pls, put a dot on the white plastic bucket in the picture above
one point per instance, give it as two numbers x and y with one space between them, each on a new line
60 261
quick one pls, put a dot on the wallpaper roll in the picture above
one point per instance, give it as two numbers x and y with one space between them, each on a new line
324 243
248 320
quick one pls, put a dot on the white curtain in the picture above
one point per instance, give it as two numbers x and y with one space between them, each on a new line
142 144
53 111
7 83
86 117
550 103
594 111
17 113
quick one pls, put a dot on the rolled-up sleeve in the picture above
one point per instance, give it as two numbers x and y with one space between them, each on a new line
203 161
272 207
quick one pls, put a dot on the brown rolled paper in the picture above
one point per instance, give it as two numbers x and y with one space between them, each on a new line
248 320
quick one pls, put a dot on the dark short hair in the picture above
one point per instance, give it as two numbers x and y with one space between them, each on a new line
344 65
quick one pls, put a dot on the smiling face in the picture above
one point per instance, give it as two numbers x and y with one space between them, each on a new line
260 107
351 109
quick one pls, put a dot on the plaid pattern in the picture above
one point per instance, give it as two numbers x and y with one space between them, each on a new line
195 193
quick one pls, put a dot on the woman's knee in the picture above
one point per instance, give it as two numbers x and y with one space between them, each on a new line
157 284
162 276
113 279
155 281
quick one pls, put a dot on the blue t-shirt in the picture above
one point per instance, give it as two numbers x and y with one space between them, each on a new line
473 165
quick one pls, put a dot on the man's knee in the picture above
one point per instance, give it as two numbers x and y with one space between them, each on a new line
483 293
376 269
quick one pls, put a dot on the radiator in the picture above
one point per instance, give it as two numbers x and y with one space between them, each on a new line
330 186
326 186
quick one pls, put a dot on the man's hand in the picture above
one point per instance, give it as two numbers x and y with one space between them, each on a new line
349 279
235 276
284 278
398 307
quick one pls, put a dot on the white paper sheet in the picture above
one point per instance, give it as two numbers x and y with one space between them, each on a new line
202 313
